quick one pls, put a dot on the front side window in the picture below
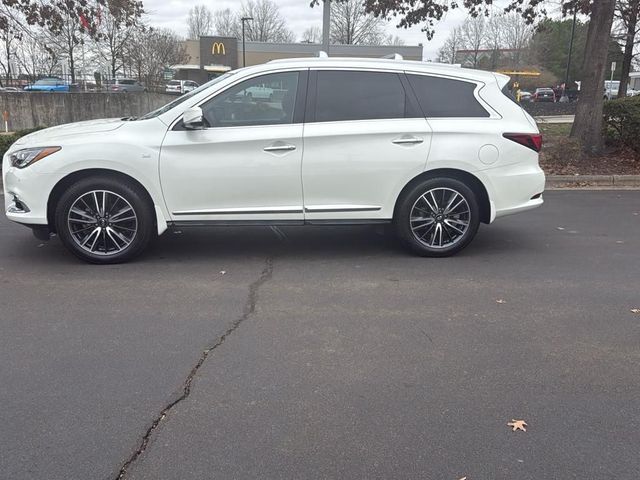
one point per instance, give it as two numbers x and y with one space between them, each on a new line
444 97
264 100
354 95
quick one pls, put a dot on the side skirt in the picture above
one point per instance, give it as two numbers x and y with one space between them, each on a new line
270 223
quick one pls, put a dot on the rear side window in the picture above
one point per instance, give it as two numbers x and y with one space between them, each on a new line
444 97
344 95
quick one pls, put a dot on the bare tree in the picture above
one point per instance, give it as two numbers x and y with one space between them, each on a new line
628 27
587 127
200 22
225 23
312 35
453 43
394 40
495 38
516 34
474 35
10 36
351 24
115 31
150 51
35 57
268 24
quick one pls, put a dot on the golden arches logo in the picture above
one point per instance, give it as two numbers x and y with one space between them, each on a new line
218 49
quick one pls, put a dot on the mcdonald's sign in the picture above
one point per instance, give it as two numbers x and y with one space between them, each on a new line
218 49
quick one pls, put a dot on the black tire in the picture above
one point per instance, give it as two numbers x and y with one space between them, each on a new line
451 242
128 193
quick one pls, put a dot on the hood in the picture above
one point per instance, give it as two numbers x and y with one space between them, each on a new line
69 129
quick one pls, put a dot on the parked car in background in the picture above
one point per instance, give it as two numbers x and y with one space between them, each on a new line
544 95
260 92
179 87
125 85
525 96
9 89
48 85
433 151
611 89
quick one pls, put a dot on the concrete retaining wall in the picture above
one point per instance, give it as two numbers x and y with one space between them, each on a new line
28 110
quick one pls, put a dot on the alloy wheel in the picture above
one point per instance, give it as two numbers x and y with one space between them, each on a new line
102 222
440 218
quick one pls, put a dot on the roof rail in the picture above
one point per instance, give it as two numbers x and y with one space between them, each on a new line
394 56
322 54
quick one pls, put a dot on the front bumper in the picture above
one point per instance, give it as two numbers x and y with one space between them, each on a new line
26 193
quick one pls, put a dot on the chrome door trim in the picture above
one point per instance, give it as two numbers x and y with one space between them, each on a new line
241 211
341 208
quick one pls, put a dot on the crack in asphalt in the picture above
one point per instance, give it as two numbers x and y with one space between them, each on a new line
248 310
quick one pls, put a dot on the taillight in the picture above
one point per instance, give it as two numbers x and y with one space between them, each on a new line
529 140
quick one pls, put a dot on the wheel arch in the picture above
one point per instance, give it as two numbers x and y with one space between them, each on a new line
467 178
70 179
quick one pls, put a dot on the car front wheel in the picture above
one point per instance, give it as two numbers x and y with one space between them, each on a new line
438 217
104 220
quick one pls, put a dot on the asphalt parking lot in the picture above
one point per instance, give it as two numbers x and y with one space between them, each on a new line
306 353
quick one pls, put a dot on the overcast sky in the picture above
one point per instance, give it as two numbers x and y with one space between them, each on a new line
173 14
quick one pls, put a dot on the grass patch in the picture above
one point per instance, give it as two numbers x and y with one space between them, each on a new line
555 129
562 155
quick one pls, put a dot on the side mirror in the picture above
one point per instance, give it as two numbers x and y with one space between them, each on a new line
193 119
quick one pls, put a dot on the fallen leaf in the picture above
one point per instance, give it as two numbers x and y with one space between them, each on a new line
636 311
222 272
560 228
501 301
517 425
463 478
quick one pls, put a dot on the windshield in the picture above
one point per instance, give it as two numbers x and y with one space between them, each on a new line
185 97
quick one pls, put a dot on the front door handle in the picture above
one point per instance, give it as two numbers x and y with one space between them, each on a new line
407 140
279 148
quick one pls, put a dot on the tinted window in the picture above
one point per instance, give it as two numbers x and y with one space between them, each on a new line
265 100
126 82
359 96
444 97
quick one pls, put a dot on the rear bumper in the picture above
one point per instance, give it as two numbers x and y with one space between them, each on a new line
515 188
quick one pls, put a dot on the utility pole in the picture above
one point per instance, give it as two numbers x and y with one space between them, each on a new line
564 97
244 57
326 25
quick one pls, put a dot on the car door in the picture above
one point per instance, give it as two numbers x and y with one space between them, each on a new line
245 164
364 140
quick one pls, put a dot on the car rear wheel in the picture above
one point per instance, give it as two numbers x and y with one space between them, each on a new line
104 220
438 217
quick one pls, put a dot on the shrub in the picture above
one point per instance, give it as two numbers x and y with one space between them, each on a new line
7 140
622 122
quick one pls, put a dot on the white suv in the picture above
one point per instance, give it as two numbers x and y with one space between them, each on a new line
433 149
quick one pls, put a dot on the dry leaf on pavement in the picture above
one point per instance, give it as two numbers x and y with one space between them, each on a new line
518 425
501 301
635 310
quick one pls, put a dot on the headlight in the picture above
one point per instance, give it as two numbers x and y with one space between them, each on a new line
27 156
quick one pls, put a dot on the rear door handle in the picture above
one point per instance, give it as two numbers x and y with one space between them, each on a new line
279 148
407 140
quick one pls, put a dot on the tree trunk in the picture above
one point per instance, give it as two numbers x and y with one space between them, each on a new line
72 66
632 23
587 127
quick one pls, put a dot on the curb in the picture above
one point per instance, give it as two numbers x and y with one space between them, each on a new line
613 182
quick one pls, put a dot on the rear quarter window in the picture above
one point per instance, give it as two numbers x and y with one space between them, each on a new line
444 97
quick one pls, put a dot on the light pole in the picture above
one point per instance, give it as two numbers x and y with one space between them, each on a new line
326 25
244 58
564 97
